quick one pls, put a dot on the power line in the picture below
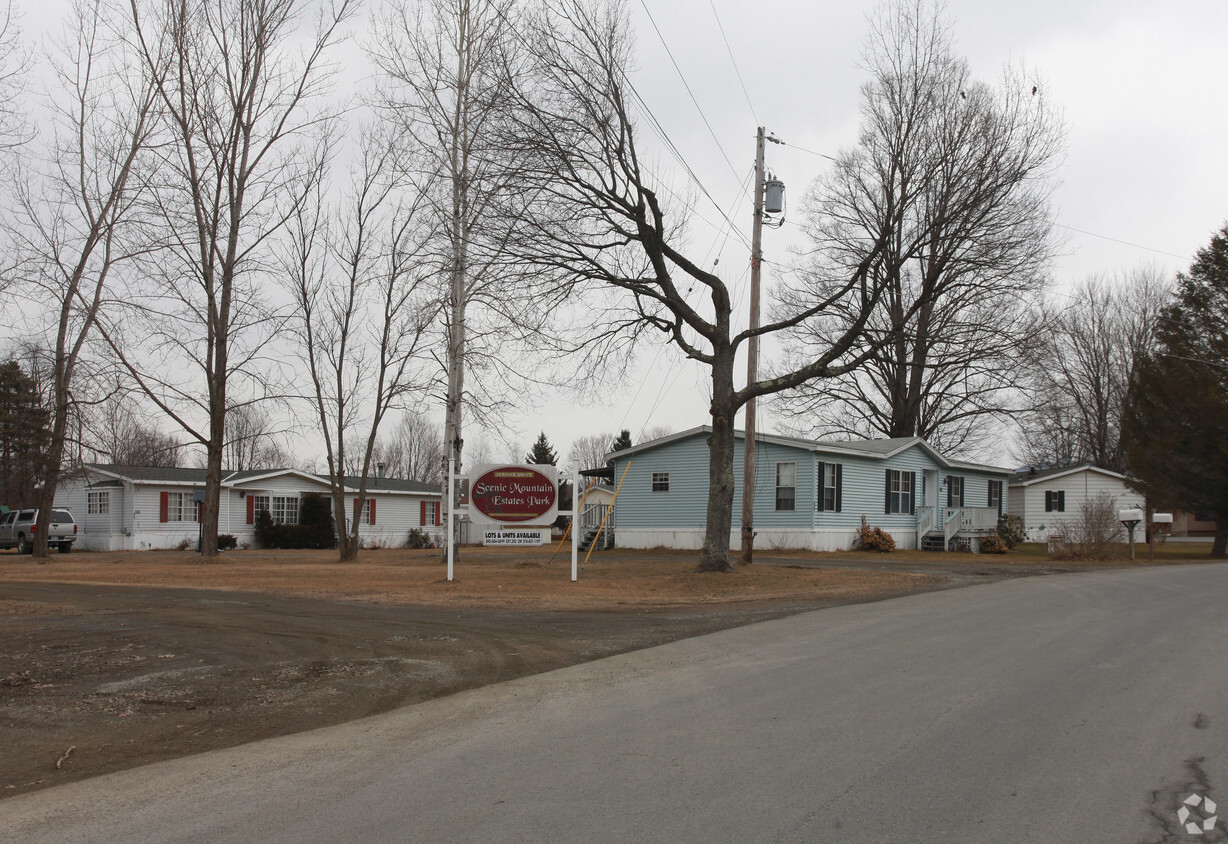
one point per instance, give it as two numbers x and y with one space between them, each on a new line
729 50
690 93
1122 242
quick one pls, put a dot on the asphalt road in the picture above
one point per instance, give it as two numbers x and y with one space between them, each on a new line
1076 708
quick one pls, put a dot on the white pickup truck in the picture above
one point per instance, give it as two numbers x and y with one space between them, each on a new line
17 530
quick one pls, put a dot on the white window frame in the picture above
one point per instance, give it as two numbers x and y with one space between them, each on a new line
791 500
281 507
902 483
995 494
180 507
828 483
660 481
98 503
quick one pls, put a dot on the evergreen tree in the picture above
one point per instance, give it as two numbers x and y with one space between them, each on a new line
542 454
623 442
25 434
1175 425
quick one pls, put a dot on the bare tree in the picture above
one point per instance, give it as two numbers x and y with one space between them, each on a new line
413 449
447 67
959 304
252 441
364 309
76 203
588 452
15 63
1081 375
598 228
238 81
117 431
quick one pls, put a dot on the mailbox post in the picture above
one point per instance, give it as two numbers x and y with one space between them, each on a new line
1130 518
1160 523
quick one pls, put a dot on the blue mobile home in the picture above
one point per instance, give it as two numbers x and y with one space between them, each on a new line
808 494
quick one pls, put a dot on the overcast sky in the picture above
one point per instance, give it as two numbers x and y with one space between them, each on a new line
1141 86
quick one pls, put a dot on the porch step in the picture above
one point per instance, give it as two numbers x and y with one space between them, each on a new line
933 542
590 536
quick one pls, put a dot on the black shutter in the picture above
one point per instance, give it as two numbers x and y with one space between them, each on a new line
1061 501
887 505
822 473
839 484
1048 501
912 482
950 492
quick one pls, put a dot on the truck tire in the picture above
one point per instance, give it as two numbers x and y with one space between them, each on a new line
65 547
24 547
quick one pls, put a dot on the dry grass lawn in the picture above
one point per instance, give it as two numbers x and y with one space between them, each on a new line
518 578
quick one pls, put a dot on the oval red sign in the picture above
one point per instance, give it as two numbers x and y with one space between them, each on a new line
512 494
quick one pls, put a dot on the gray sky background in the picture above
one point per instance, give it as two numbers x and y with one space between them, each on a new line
1141 86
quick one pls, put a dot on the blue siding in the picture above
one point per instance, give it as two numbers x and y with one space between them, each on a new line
863 491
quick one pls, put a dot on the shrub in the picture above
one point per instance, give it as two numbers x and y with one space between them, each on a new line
873 539
1010 530
1093 534
994 544
226 542
419 539
314 530
184 544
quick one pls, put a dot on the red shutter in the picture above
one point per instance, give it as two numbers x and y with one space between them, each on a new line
200 509
251 509
422 516
164 512
371 515
439 512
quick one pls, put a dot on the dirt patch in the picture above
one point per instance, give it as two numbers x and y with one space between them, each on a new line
130 658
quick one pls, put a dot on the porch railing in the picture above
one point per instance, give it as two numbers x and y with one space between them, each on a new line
978 518
951 525
927 520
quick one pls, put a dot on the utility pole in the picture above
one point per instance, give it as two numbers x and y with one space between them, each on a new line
752 362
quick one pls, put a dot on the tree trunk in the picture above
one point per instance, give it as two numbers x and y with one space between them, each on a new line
213 483
46 495
347 534
715 553
1219 548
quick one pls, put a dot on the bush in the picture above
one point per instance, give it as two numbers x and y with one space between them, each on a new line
1094 534
1010 531
226 542
994 544
419 539
873 539
184 544
314 530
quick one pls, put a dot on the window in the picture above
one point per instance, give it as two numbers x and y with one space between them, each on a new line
900 491
430 513
179 507
99 503
786 486
1055 501
285 509
660 481
955 491
365 518
995 494
830 482
259 503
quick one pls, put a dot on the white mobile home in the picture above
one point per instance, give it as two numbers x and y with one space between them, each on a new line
141 508
1045 499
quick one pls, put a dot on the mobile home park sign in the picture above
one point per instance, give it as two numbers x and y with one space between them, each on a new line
514 495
